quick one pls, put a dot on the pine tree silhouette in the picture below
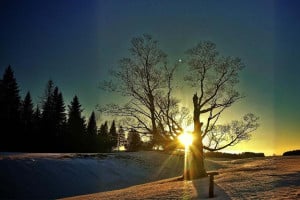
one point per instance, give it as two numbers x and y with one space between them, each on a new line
24 128
92 125
92 138
121 140
103 137
59 120
27 123
134 141
113 137
37 136
76 127
47 120
53 119
10 105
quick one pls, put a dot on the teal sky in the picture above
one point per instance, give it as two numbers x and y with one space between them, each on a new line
76 42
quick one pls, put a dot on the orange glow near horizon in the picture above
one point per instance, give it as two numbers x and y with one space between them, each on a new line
268 138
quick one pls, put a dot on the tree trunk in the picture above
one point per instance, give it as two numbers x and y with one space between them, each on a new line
196 158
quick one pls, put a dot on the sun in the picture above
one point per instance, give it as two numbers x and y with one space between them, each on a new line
186 139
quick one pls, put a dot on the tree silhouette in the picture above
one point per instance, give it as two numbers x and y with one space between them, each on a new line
92 125
113 137
215 78
59 119
76 126
103 137
47 119
27 110
121 140
37 135
10 105
92 136
59 111
146 80
53 120
103 129
27 122
24 128
134 141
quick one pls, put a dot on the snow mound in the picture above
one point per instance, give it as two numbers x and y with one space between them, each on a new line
48 176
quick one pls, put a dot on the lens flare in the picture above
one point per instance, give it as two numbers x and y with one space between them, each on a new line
186 139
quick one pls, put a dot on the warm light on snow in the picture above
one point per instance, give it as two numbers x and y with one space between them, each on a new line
186 139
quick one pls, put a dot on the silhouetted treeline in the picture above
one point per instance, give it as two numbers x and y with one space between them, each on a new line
49 126
233 156
292 153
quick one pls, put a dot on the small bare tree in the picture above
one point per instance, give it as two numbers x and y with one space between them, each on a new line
214 77
145 81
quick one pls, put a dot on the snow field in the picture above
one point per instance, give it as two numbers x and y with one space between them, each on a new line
135 176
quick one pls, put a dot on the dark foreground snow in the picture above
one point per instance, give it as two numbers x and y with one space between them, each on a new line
48 176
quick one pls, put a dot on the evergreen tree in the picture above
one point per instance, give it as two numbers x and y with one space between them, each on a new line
92 125
59 119
113 137
47 120
27 122
59 110
37 115
93 142
76 127
103 129
27 110
103 138
121 141
47 101
134 141
53 120
37 136
10 105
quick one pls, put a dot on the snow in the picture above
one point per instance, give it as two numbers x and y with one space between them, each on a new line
143 175
165 189
36 176
262 178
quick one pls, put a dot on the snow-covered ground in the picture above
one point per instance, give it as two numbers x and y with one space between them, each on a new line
261 178
51 176
166 189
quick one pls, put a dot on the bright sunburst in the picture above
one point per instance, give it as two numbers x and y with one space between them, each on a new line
186 139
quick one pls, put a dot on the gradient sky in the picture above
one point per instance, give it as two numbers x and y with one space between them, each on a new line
74 43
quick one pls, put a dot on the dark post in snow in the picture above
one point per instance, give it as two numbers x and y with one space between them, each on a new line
211 183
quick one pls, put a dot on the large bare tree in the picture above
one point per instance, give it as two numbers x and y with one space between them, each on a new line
145 80
214 77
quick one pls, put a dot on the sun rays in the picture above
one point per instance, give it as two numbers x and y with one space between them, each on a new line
186 139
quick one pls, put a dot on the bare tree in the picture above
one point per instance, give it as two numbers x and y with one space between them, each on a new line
146 81
214 77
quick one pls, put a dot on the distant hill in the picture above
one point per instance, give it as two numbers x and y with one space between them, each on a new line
234 156
292 153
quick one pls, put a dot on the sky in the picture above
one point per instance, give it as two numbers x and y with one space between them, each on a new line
75 43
